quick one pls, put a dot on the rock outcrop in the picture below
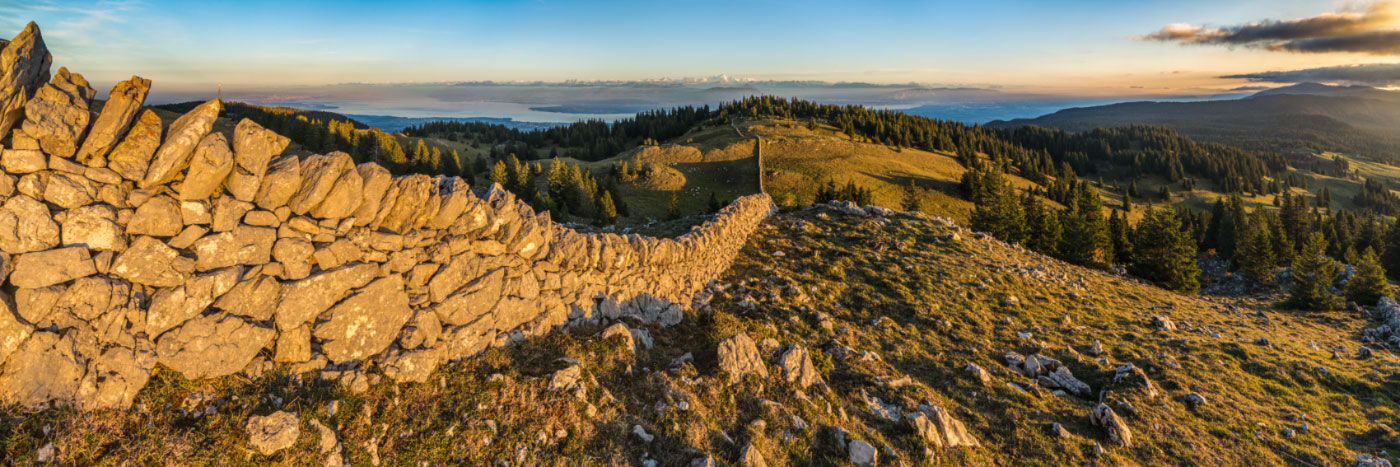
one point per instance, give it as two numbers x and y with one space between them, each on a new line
202 250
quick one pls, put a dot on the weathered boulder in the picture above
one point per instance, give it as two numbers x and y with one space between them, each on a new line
1118 430
94 227
365 323
1062 378
209 166
253 148
58 114
738 357
25 226
44 268
212 345
180 140
121 108
345 194
68 191
132 156
320 174
90 300
295 256
171 307
45 368
115 376
452 276
274 432
860 452
228 211
410 366
148 261
375 182
281 181
797 367
13 332
245 244
300 301
473 300
254 297
934 425
157 217
24 68
410 195
293 345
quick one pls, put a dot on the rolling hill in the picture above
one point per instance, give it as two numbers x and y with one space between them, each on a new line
1309 116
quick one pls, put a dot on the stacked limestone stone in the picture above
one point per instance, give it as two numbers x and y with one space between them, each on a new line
126 246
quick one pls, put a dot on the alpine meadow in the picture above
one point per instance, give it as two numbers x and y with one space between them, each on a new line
759 233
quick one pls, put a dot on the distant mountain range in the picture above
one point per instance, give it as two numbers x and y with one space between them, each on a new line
1351 119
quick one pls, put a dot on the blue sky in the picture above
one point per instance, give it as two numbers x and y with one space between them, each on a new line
1082 47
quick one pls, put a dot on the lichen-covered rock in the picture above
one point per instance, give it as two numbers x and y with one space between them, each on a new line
172 307
209 166
797 367
345 194
246 245
253 148
274 432
25 226
157 217
375 182
410 366
132 156
319 175
365 323
13 332
473 300
254 297
68 191
738 357
150 262
295 256
282 180
212 345
934 425
45 368
94 227
293 345
44 268
58 114
184 134
24 68
300 301
1118 431
120 110
115 376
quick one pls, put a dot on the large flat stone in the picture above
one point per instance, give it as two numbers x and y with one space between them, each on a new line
44 268
122 106
364 324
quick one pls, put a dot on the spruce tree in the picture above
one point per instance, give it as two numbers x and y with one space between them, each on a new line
1256 258
499 175
607 211
1084 239
1313 275
998 210
1042 226
1120 234
1367 284
912 201
715 204
1165 254
673 208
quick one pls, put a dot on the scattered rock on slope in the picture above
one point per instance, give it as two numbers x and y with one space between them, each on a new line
738 356
274 432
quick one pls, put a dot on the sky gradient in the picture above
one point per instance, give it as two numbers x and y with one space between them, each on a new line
1085 47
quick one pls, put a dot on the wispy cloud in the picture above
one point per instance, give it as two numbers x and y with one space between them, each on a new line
1374 30
1375 74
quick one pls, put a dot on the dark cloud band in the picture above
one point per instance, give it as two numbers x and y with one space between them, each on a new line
1373 31
1377 74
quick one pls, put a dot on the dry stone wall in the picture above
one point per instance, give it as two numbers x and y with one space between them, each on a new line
125 246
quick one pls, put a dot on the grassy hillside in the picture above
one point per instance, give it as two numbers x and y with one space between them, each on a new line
893 309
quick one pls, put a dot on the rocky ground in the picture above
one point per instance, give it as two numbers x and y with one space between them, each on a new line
836 337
